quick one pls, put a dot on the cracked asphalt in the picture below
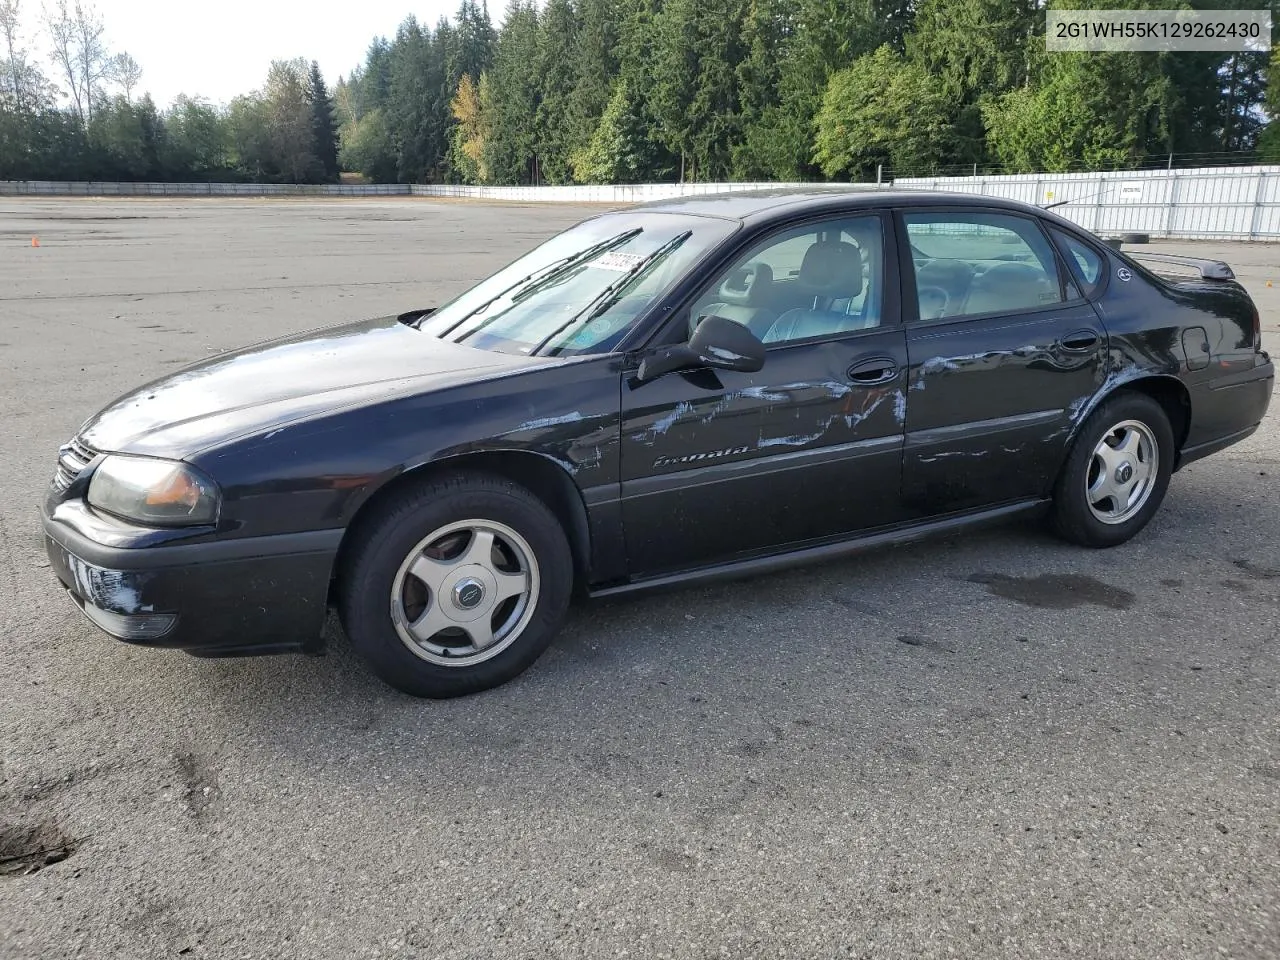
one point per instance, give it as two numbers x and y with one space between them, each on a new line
990 746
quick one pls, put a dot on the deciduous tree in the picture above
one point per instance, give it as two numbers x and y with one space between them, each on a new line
126 72
882 109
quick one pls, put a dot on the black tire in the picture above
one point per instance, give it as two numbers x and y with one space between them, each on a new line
1071 516
1135 238
384 540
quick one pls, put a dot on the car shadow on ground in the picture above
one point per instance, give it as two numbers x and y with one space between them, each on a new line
1001 633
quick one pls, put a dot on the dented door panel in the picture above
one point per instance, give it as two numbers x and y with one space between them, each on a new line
992 402
721 465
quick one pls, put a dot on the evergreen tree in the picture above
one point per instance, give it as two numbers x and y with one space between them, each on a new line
820 37
375 79
557 41
695 94
636 51
324 138
764 32
472 48
1269 139
415 97
595 66
619 150
511 151
1088 111
977 47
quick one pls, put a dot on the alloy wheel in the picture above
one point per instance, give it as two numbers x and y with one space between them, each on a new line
465 593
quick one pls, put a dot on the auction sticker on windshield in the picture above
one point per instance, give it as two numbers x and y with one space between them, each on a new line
621 262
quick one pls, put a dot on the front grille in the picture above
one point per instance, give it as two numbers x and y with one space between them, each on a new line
72 458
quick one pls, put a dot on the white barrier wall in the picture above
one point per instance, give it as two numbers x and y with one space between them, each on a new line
1238 203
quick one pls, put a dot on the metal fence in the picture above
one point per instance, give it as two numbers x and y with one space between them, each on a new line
609 193
1238 203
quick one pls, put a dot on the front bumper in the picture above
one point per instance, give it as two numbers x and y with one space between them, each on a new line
238 597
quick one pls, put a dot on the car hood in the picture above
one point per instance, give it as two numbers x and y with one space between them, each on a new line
284 381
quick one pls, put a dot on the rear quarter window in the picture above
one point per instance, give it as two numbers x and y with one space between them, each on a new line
1085 262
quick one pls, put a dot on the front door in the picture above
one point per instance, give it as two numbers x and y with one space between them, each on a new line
719 466
1004 353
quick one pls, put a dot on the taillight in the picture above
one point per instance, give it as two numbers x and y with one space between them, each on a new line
1257 330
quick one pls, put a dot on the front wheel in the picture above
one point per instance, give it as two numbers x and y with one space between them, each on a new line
1116 474
455 586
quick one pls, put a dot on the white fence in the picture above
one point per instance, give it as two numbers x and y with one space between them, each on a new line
1239 203
611 193
95 188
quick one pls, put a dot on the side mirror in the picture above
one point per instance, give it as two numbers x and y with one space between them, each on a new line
717 343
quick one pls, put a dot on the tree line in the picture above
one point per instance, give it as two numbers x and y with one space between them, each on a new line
589 91
640 90
84 122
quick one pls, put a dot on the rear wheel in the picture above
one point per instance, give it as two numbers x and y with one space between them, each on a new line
456 585
1116 474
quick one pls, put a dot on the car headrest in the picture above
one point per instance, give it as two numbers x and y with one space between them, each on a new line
1008 286
831 268
748 286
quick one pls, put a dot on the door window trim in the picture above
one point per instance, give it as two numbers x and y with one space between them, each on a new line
907 269
891 308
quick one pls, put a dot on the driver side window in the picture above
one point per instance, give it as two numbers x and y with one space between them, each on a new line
819 280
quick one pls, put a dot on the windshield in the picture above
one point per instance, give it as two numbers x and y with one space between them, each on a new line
581 291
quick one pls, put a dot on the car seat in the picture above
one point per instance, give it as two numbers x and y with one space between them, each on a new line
745 297
830 273
1010 286
941 286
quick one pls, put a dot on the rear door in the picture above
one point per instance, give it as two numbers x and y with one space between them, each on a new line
718 466
1004 352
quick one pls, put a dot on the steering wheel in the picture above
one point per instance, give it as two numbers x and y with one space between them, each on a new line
933 302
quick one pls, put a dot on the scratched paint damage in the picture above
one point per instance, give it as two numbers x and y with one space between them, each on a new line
781 394
1081 407
948 454
663 424
936 365
117 591
769 395
543 422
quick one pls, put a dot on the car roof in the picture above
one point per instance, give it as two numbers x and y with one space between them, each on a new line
766 204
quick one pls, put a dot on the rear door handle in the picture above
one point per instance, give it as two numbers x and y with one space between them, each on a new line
1080 341
868 373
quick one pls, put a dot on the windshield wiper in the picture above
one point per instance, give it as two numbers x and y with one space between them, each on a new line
607 297
537 277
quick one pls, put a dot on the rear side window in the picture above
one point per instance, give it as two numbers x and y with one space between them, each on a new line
975 264
1085 261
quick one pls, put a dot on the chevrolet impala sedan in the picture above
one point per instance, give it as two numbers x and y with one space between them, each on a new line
695 388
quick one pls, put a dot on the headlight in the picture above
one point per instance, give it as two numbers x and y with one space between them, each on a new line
160 493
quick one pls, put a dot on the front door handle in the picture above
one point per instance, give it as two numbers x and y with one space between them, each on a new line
875 370
1080 341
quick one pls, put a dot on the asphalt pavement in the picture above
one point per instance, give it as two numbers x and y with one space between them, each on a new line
990 746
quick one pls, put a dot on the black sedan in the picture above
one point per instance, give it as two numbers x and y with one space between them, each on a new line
694 388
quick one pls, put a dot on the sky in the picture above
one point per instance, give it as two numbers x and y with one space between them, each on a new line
220 50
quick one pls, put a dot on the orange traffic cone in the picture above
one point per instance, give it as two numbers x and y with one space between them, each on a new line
35 241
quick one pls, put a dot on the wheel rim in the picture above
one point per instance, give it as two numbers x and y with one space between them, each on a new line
465 593
1122 472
